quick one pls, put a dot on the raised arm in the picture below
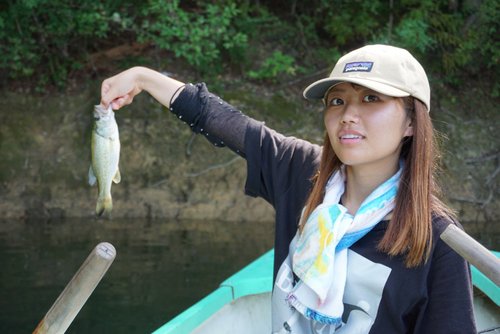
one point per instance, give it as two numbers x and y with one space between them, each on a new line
269 154
121 89
206 114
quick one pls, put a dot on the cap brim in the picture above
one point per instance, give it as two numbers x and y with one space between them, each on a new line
318 89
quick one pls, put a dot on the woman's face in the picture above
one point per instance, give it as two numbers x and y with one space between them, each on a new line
366 128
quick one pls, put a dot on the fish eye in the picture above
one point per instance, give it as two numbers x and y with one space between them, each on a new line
96 118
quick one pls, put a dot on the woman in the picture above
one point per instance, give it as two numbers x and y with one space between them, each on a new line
357 247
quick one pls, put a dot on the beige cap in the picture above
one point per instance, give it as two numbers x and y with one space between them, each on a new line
385 69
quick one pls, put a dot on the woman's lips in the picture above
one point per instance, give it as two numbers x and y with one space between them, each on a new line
349 137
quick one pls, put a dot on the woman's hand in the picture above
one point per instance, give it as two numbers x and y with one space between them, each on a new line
121 89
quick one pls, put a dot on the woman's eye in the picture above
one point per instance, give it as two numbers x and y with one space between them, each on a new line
336 102
370 98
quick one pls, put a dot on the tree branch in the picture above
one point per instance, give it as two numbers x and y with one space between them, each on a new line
465 199
492 176
188 145
303 78
213 167
483 158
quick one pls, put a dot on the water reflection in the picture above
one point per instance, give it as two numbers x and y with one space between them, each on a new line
161 268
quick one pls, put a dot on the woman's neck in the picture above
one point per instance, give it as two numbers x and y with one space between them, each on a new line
361 182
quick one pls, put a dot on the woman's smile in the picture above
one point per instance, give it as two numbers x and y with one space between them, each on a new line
350 137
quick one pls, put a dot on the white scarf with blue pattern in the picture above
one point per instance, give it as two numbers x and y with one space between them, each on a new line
320 259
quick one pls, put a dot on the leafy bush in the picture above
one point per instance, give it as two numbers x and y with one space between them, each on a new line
55 33
276 66
56 36
50 39
199 37
354 20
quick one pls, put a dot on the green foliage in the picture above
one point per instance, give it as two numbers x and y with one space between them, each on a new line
431 29
199 37
276 66
48 32
55 37
50 39
413 34
452 41
354 20
488 30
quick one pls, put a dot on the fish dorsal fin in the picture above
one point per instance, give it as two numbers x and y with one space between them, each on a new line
117 177
92 177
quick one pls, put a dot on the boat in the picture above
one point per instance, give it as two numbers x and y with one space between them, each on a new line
242 304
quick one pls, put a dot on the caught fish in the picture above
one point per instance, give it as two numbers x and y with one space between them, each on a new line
105 156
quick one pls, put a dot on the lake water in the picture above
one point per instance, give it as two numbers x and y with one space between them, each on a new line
162 267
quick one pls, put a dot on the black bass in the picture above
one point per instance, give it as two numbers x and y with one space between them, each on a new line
105 156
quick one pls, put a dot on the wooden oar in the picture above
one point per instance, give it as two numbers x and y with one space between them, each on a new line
471 250
78 290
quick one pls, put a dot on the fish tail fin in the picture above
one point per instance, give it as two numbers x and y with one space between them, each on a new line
105 204
108 205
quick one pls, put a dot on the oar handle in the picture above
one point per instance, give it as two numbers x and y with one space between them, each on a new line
471 250
78 290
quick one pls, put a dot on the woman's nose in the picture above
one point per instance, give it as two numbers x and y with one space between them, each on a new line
350 115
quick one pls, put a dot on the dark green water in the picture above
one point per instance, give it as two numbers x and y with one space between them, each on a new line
162 267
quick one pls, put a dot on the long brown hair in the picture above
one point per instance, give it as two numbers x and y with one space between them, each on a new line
410 229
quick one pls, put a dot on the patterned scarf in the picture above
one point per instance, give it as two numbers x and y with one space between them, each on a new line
320 259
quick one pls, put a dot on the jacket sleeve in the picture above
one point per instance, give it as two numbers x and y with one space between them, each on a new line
274 162
277 162
213 118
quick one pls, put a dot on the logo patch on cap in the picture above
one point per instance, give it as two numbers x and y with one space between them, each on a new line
362 66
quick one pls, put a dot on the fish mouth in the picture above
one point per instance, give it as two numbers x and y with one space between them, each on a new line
101 111
102 114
